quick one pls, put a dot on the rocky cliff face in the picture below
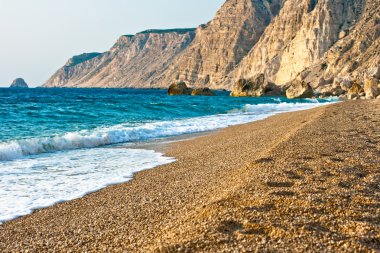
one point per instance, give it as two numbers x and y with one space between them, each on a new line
355 56
222 43
298 37
156 59
309 40
131 62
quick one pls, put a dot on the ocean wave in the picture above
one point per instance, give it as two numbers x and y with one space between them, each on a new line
57 177
125 133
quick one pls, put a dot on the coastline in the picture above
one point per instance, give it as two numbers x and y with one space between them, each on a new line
107 165
224 192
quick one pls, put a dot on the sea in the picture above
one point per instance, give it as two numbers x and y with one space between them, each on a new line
60 144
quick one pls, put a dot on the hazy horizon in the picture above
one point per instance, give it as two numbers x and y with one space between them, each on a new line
39 36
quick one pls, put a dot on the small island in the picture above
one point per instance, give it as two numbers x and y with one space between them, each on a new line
19 83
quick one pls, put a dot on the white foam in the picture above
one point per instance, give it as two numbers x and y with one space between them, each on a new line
42 181
125 133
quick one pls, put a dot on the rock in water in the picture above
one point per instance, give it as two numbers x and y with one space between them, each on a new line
249 87
203 92
299 89
179 89
19 83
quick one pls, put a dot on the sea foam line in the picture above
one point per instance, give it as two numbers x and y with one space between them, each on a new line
17 149
38 182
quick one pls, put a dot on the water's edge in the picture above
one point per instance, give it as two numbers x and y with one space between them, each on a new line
157 147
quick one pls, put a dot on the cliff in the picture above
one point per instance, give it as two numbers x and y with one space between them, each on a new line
156 58
312 40
131 62
355 56
298 38
222 43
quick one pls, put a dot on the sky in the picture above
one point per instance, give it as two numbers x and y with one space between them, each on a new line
37 37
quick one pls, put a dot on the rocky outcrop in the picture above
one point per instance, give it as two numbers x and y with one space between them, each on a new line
222 43
179 88
134 61
329 91
257 86
357 55
344 83
299 89
19 83
203 92
299 37
356 89
249 87
376 72
371 88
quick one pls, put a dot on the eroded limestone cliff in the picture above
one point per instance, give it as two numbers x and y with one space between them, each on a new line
355 56
298 37
131 62
221 44
310 40
152 59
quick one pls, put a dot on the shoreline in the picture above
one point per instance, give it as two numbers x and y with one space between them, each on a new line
162 203
158 145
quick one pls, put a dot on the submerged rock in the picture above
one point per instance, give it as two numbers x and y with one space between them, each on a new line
179 88
19 83
257 86
299 89
203 92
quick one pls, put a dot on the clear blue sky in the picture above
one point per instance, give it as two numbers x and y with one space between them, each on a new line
38 36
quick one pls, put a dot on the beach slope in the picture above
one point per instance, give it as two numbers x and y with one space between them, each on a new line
295 182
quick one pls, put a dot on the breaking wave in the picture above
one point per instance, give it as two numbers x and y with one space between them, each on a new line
123 133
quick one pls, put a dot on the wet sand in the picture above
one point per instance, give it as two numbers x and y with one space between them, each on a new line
295 182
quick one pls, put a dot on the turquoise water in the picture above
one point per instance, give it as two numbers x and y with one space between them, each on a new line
59 144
